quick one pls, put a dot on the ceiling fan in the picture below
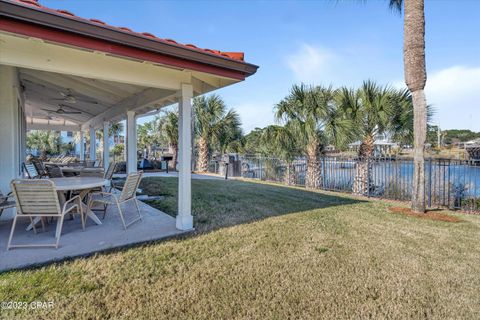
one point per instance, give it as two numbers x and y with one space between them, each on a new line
52 118
61 110
69 97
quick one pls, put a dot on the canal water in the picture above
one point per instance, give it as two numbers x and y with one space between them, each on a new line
447 181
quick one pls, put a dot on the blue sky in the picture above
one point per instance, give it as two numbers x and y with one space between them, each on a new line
317 42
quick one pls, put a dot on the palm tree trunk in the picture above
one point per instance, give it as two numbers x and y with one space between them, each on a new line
149 151
290 174
174 151
202 163
420 129
363 172
415 78
314 171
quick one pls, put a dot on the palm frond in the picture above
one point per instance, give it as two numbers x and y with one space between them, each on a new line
374 109
214 123
396 5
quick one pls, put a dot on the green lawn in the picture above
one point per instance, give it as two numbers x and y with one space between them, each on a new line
271 252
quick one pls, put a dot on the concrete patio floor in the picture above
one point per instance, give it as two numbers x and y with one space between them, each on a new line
74 242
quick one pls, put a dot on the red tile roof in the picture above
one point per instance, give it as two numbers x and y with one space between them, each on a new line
238 56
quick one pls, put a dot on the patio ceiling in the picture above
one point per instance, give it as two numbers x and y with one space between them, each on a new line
45 91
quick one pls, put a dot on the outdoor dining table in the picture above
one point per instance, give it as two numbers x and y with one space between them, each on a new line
82 184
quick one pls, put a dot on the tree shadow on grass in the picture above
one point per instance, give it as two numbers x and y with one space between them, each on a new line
222 203
219 203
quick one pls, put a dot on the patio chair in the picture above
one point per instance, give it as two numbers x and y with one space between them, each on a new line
67 160
31 171
128 193
6 202
54 171
42 172
89 163
39 199
109 175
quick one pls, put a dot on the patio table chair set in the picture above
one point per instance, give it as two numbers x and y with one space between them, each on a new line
66 161
38 169
38 199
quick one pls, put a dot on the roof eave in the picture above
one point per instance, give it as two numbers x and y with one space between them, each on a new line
106 33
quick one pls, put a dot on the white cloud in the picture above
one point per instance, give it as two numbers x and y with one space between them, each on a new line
310 63
455 94
255 114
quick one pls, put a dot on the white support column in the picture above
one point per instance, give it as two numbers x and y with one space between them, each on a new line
81 145
184 217
93 147
106 145
180 130
11 153
131 142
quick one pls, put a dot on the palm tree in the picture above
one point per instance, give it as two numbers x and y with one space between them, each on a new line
403 120
253 144
43 141
143 137
76 138
280 141
118 150
374 110
214 125
231 141
99 137
147 136
415 78
115 130
168 125
310 115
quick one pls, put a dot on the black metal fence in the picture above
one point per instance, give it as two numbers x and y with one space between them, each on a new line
449 183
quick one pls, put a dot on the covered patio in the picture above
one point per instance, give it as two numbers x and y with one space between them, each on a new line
75 242
65 73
